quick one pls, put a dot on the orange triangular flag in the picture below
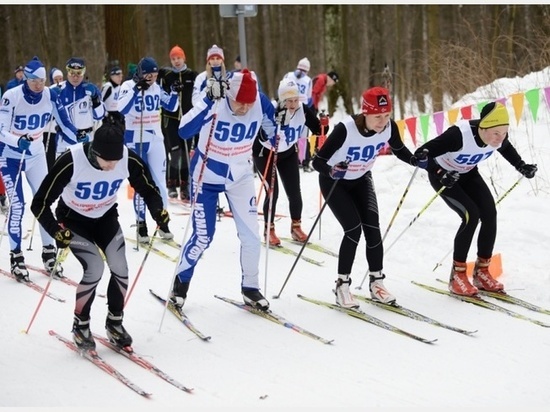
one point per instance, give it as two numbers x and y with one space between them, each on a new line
495 267
517 103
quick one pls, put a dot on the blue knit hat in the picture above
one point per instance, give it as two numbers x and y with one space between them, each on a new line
147 65
34 70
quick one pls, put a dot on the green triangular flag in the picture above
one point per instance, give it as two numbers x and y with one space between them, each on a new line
532 97
425 125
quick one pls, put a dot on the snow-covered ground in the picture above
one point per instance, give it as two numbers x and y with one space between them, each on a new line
252 364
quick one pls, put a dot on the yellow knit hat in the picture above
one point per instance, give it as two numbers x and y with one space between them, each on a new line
493 115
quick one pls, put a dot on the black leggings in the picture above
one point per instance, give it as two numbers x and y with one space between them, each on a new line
287 166
471 199
177 151
90 237
354 205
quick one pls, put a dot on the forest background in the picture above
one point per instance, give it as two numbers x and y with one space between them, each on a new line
441 51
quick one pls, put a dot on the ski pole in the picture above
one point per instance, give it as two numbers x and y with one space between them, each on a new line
440 263
417 216
307 240
392 219
320 142
150 245
263 177
270 207
32 234
60 252
137 198
193 202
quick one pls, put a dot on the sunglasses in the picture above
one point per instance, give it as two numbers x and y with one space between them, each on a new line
76 72
37 81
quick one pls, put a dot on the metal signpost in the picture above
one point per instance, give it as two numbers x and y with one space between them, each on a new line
240 11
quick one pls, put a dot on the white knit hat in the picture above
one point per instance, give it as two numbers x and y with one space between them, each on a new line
304 64
288 89
214 51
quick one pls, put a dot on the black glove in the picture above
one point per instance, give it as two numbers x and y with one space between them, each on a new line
96 101
161 217
447 177
24 142
215 89
339 170
420 159
262 135
82 136
63 237
177 86
527 170
142 85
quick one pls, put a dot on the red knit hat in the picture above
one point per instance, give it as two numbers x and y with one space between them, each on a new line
242 87
177 51
376 100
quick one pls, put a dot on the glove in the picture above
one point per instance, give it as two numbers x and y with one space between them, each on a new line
420 159
527 170
24 142
323 118
280 118
262 135
338 171
96 101
82 136
63 237
177 86
447 178
162 217
215 89
93 92
142 85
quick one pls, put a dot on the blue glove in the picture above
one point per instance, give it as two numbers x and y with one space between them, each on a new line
339 170
420 159
82 136
24 142
447 177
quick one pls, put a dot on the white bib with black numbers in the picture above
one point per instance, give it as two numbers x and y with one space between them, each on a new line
91 192
469 155
361 151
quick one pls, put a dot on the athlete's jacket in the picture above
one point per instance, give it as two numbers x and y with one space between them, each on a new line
25 112
141 110
85 191
359 148
79 109
228 146
296 126
167 77
461 149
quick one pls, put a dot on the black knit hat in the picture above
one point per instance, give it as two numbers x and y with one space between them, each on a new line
108 142
334 76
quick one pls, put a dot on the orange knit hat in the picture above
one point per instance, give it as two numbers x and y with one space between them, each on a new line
177 51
